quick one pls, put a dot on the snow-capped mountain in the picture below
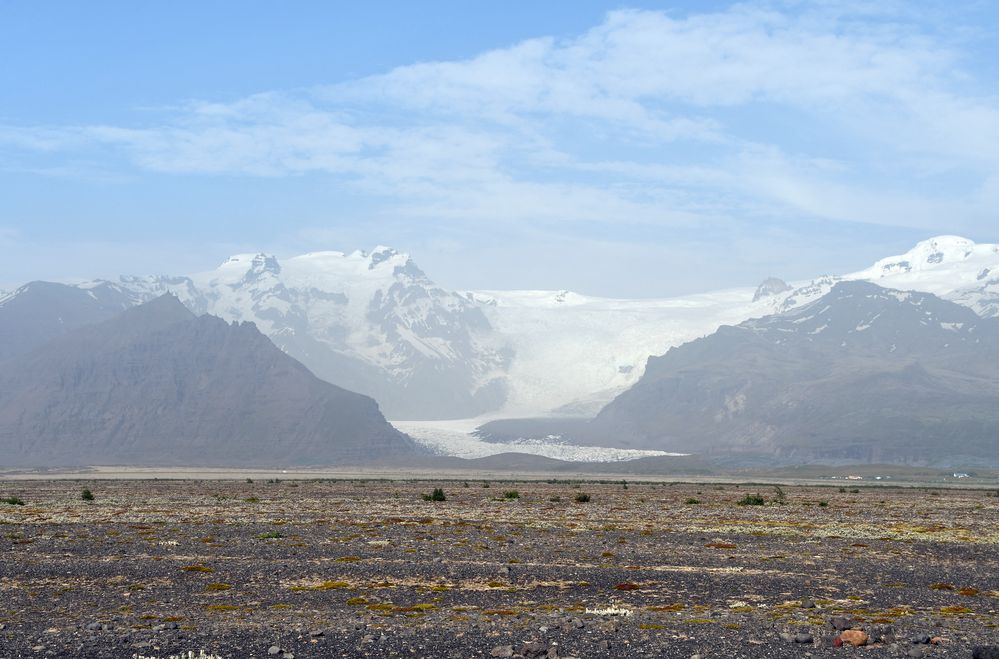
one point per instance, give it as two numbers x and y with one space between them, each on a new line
574 353
371 322
949 267
862 374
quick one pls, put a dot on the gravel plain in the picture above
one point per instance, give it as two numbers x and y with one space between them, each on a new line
352 568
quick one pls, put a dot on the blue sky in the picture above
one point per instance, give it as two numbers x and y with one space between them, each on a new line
637 149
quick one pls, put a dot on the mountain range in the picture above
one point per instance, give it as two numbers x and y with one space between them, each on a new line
891 363
375 323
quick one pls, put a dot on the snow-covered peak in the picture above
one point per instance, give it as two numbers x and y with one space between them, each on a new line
245 268
927 255
381 263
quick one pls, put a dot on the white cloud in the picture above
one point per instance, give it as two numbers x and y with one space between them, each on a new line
642 119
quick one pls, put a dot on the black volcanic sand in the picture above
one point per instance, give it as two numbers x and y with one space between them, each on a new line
344 569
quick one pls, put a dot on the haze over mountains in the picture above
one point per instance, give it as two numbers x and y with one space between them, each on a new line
157 385
875 375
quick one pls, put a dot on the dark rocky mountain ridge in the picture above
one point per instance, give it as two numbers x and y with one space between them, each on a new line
156 385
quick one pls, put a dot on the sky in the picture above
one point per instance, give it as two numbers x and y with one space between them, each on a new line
635 149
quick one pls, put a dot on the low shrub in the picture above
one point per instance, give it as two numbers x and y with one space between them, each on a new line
751 500
437 495
270 535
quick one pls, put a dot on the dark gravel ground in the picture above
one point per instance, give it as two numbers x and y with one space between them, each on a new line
345 569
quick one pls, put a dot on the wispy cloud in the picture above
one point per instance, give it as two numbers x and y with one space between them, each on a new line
762 111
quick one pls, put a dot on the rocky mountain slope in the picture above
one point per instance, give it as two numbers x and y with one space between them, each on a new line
157 385
862 374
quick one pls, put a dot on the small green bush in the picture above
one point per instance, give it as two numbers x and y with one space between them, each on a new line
692 501
87 495
751 500
511 494
438 495
582 498
14 501
823 504
555 499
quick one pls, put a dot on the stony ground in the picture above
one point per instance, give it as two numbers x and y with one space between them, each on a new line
345 569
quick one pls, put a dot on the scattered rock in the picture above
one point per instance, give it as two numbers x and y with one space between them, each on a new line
803 637
841 623
920 639
273 650
317 633
807 604
501 651
854 637
533 649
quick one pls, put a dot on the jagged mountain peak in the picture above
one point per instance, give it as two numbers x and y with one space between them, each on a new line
769 287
